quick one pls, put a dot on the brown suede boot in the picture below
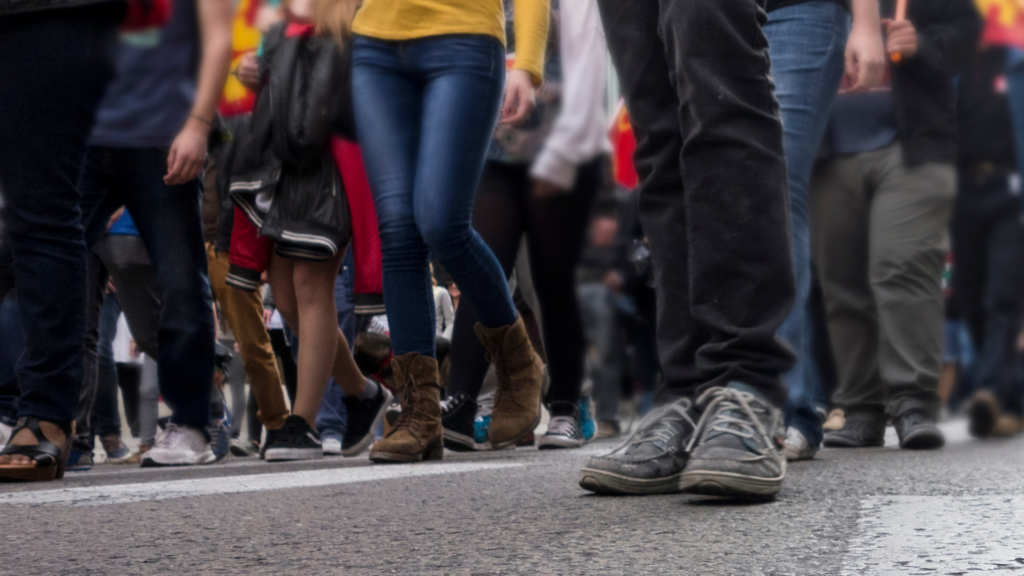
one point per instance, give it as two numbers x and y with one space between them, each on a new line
417 433
520 377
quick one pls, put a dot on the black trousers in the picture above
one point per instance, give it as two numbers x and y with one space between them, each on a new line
714 203
988 281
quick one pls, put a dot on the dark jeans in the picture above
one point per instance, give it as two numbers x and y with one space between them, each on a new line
555 229
12 343
331 418
425 112
170 226
53 72
695 76
988 248
106 418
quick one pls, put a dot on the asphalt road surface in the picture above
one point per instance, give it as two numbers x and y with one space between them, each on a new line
876 511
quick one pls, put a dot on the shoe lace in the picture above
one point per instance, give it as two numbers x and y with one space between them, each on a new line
562 426
660 425
409 397
719 404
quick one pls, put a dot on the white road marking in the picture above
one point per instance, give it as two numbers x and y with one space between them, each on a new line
938 535
141 492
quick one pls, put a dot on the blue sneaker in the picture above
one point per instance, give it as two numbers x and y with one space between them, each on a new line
481 424
220 438
588 426
79 461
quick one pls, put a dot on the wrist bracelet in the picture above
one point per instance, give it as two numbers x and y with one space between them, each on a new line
197 117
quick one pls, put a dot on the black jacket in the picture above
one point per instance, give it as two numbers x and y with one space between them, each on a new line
283 174
923 100
21 6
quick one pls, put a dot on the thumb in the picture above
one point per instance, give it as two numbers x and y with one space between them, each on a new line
886 23
171 159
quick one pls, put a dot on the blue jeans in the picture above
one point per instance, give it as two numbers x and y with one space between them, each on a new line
53 72
806 43
170 225
331 418
425 111
106 416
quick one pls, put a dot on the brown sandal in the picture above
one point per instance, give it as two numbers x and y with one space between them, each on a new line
48 461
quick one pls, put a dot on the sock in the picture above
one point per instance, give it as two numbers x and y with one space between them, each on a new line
371 390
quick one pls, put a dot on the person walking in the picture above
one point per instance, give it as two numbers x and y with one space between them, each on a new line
57 61
807 42
429 75
147 153
696 80
882 202
540 181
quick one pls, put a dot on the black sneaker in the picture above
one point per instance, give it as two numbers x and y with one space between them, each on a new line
862 429
296 440
651 460
736 450
457 416
271 438
364 416
917 431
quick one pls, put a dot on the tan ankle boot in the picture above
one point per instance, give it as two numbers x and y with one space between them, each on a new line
520 377
417 433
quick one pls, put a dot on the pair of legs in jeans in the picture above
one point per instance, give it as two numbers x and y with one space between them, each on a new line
55 67
696 78
806 43
425 113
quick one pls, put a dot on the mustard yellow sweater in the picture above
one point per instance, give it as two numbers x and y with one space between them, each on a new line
411 19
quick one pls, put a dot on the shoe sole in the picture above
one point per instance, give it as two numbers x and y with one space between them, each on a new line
462 443
925 439
843 443
515 441
362 445
559 443
291 454
729 485
205 458
604 482
435 453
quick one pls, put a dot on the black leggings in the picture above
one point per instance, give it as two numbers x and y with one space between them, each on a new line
555 229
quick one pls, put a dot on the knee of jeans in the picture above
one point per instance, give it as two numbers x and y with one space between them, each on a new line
443 234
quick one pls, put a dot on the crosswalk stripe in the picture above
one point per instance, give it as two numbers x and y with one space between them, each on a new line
141 492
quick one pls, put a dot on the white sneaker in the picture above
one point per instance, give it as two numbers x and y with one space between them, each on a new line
332 447
796 446
179 446
5 434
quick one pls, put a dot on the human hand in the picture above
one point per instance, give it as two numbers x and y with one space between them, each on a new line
267 315
520 99
248 71
188 153
865 58
900 37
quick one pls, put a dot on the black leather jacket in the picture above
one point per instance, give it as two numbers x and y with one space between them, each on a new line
283 174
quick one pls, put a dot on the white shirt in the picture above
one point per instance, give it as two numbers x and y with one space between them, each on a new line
579 134
444 312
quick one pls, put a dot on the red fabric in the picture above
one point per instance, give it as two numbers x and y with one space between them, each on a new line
248 248
299 29
142 15
365 237
623 145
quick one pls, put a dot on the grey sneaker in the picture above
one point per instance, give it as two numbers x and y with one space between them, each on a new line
735 450
650 460
797 447
179 446
5 434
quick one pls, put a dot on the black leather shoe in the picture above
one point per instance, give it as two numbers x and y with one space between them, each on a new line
917 431
861 430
